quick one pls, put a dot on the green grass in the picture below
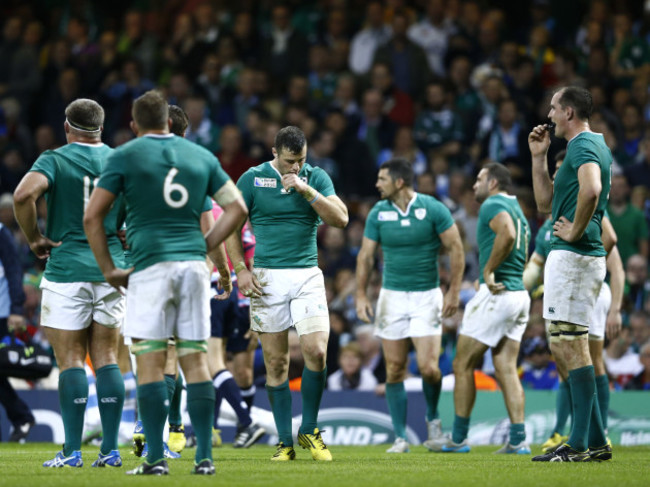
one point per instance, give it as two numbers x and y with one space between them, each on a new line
352 466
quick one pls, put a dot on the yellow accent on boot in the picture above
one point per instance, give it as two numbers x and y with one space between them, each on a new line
283 453
314 443
177 440
216 437
554 442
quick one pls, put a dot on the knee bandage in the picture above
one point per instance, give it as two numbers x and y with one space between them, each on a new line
148 346
562 331
188 347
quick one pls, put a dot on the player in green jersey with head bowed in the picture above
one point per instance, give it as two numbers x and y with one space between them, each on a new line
287 199
496 317
575 266
411 228
165 180
81 313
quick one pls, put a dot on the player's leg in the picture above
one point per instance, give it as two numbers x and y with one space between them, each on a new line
126 369
174 381
103 344
396 357
505 365
243 347
602 380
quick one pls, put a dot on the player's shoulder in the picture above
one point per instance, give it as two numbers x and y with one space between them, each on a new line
429 201
261 170
383 210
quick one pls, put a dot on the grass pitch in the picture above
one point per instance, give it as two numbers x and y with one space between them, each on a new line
370 466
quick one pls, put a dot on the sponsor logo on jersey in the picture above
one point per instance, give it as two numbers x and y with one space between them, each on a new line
387 216
265 183
405 223
420 213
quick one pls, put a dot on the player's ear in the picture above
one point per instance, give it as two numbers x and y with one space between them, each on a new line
570 112
274 152
169 124
134 127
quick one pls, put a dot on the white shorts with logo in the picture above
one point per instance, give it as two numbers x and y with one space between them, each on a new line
404 314
291 296
490 317
75 305
169 299
572 284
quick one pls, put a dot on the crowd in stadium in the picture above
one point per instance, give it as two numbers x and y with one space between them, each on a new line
447 84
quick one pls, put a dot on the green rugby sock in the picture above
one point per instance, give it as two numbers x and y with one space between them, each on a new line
602 391
110 398
73 396
431 396
280 399
517 433
562 407
460 430
175 416
153 406
583 392
200 406
396 399
311 389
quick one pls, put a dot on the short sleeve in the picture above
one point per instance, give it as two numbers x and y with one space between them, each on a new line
442 219
207 205
372 228
46 165
218 177
112 177
246 188
490 208
321 182
584 154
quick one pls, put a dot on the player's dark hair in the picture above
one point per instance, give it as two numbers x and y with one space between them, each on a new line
399 168
151 111
290 138
500 173
179 120
85 116
579 99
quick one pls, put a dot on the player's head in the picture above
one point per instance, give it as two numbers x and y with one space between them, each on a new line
290 149
493 178
150 112
570 105
179 120
84 118
394 175
559 159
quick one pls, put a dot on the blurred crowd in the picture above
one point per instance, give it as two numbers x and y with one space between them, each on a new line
448 84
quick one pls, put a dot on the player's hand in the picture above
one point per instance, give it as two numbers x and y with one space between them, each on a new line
15 322
248 284
42 246
119 278
292 181
493 286
613 324
364 310
450 304
224 284
253 339
563 228
539 141
121 234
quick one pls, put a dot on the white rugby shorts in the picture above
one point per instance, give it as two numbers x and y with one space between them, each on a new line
405 314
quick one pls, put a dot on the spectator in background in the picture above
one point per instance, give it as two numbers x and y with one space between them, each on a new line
370 347
231 155
632 119
629 55
366 41
432 34
12 170
345 97
246 98
10 43
246 38
397 105
538 370
201 130
320 152
637 286
639 172
467 103
621 361
406 60
629 222
640 329
641 381
375 129
404 147
322 80
67 89
135 43
334 252
24 69
12 298
351 374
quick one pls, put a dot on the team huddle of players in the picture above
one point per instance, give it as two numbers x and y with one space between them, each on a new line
163 187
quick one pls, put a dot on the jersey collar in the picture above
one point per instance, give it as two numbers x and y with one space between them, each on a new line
408 207
159 136
85 144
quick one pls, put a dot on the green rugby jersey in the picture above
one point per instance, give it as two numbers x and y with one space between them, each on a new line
543 238
410 241
284 223
511 270
165 180
586 147
72 172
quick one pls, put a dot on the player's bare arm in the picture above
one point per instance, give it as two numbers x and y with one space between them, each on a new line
365 261
539 141
100 203
331 209
248 284
217 257
450 239
233 216
590 187
504 240
32 187
617 285
533 271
